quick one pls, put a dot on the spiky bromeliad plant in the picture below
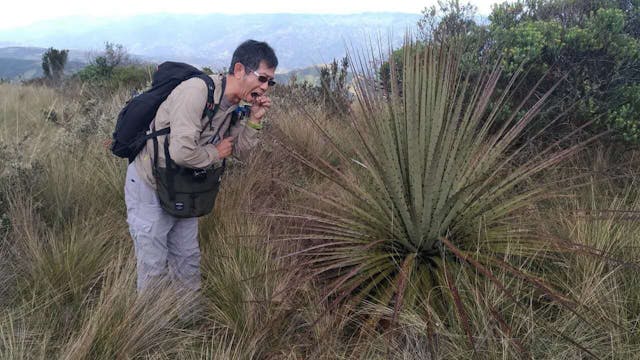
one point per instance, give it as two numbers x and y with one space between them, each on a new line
427 189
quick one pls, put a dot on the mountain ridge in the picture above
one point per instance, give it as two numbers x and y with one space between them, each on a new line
24 63
300 40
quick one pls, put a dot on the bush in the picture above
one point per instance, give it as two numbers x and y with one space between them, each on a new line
134 77
115 70
591 44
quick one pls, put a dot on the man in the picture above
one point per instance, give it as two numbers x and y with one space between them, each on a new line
164 244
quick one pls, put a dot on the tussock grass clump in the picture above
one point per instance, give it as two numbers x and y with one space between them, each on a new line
247 294
123 324
19 341
56 268
86 182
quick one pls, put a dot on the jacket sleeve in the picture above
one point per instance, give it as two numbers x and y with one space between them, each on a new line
245 138
189 99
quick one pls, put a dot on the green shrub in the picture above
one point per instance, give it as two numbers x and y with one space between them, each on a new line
133 77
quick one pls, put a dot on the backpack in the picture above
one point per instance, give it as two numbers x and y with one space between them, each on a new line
132 127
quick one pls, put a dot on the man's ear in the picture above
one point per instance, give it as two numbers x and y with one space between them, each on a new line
238 70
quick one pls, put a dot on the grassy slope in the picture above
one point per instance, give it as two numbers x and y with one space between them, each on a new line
68 279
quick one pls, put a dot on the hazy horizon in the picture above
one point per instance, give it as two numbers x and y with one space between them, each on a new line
29 12
208 39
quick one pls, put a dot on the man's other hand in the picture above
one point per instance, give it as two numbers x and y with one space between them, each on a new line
225 147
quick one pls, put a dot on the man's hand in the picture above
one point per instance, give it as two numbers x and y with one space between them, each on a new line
259 107
225 147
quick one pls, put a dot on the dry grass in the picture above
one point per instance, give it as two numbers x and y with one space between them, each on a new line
67 281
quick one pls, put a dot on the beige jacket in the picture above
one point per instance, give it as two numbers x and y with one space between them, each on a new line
183 111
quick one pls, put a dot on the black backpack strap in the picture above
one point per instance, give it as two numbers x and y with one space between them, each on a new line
155 148
170 174
154 134
211 108
234 119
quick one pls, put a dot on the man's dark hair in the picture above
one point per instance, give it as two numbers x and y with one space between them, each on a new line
250 53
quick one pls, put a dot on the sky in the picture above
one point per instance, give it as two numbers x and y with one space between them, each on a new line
16 13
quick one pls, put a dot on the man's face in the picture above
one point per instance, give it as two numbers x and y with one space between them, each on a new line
252 86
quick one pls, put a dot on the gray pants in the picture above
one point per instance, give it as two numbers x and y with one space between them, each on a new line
164 245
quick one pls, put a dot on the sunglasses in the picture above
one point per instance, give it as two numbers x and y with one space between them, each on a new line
264 79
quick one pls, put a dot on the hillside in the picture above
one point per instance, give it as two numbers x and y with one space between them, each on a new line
23 63
310 74
11 69
35 53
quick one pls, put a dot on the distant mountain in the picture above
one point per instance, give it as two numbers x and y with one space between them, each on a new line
23 63
300 40
12 69
310 74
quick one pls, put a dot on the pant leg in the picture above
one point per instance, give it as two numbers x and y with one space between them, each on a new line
149 226
184 254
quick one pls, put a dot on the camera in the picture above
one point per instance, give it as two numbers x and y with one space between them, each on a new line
199 174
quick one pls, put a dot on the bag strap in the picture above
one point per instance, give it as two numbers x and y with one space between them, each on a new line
170 174
211 108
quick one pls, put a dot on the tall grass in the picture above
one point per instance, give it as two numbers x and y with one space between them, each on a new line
67 277
24 112
123 324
